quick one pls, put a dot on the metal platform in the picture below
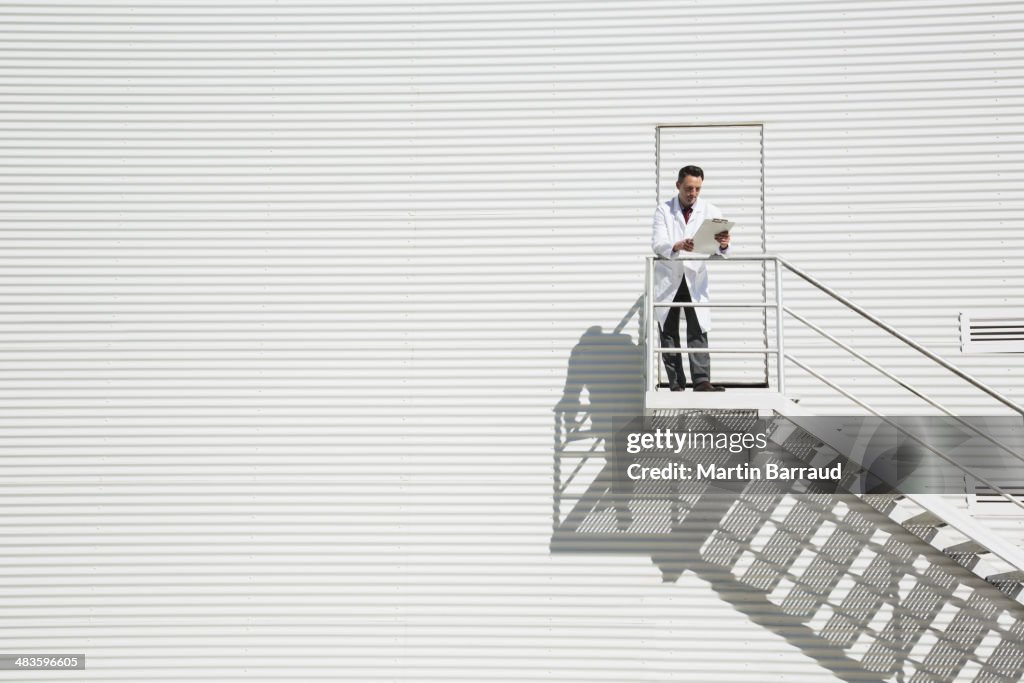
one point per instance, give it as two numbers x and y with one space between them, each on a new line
762 400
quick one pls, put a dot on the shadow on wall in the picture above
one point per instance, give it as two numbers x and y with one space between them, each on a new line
832 574
604 380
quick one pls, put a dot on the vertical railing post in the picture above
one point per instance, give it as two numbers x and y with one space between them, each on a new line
780 357
652 336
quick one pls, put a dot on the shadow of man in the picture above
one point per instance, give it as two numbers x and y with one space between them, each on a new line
603 380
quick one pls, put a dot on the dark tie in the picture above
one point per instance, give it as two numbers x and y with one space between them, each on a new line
686 213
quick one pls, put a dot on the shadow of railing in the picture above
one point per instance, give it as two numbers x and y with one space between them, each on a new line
831 573
603 380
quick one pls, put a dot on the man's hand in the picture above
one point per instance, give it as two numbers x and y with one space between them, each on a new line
683 245
723 240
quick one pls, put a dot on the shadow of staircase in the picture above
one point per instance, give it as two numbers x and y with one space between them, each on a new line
864 596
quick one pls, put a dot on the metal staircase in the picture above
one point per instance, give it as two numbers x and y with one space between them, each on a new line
876 586
954 532
854 581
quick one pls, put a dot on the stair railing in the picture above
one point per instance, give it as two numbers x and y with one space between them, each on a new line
654 350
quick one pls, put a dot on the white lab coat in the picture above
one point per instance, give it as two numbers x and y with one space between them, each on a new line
668 229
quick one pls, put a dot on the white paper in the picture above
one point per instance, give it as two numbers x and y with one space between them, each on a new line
704 241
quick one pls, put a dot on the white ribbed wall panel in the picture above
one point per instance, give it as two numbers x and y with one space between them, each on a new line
289 291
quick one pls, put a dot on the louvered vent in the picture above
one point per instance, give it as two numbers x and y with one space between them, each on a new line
992 332
989 503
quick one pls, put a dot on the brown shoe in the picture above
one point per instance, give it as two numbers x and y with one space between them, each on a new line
707 386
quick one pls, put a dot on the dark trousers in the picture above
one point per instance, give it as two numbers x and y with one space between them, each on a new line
700 363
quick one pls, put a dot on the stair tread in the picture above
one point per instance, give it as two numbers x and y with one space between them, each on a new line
966 548
925 519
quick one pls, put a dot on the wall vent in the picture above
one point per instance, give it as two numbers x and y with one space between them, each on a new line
992 332
988 503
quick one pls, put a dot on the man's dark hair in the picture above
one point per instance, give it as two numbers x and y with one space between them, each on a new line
695 171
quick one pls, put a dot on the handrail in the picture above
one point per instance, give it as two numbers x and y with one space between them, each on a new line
903 338
924 397
708 304
1009 496
1017 408
832 293
652 365
700 349
654 349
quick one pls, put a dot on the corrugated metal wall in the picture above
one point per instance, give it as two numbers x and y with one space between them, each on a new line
289 292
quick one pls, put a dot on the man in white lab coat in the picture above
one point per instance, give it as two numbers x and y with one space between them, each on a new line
678 280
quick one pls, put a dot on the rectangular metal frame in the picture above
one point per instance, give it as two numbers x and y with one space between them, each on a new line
764 219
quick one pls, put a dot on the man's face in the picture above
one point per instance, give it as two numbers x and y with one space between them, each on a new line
689 189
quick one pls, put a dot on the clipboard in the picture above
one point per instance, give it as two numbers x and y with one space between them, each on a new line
704 239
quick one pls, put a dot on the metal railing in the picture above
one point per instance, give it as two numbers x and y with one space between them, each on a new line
654 349
651 328
778 305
